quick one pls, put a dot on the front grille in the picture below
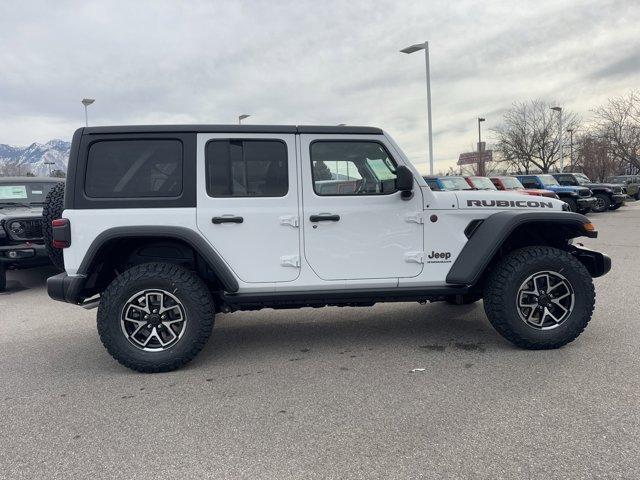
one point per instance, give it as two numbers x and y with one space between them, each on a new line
24 229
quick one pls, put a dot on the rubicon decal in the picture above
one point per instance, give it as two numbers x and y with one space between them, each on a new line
509 203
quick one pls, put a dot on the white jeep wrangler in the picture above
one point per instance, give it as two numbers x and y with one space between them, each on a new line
162 226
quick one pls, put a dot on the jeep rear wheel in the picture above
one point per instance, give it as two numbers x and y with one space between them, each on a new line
602 203
52 210
155 317
539 298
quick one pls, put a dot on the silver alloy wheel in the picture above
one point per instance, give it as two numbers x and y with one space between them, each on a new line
545 300
153 320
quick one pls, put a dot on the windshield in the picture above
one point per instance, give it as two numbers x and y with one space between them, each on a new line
511 183
548 180
582 178
483 183
455 183
27 193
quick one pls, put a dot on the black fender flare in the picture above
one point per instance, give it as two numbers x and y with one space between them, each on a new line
193 239
494 230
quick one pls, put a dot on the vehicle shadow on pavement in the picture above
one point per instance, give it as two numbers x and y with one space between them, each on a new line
19 280
391 327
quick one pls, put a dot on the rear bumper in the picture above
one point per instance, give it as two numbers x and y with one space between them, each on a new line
64 288
23 255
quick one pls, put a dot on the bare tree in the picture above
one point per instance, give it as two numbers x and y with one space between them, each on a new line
618 123
528 138
594 157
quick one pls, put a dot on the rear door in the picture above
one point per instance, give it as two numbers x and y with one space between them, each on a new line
356 226
248 203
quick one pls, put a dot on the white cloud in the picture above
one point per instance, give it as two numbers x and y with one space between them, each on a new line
303 62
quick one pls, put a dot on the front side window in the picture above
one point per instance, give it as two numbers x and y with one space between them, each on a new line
530 182
511 183
352 168
483 183
246 168
134 169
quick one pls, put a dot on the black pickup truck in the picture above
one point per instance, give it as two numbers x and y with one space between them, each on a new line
608 196
21 239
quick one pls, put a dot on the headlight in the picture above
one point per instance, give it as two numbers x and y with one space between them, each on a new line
17 228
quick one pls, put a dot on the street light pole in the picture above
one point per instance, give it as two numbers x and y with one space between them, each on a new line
481 170
49 163
561 136
570 130
86 102
414 48
242 117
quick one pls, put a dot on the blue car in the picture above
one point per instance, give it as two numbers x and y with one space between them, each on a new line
579 199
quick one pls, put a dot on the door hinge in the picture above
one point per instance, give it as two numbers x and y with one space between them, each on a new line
414 218
290 220
414 257
290 261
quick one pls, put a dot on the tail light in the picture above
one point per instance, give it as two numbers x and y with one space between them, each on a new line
61 229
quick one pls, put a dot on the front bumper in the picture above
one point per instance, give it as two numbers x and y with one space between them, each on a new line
23 255
618 198
65 288
585 202
596 263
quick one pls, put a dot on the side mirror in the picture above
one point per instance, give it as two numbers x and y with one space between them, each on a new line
404 182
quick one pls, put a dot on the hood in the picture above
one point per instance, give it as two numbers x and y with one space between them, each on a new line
504 200
541 192
11 211
565 188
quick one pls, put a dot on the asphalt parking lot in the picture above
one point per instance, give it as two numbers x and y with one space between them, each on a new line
329 393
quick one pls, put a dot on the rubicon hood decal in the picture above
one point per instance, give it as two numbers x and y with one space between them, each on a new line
509 203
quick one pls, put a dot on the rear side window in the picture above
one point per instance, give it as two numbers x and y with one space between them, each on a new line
134 169
246 168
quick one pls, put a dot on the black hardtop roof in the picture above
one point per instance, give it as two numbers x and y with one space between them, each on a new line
313 129
30 179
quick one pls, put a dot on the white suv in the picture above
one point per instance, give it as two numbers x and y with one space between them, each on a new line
162 226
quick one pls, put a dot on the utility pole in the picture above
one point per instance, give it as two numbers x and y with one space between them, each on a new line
481 166
242 117
49 163
560 135
570 130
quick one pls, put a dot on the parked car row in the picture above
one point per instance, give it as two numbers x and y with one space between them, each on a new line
575 189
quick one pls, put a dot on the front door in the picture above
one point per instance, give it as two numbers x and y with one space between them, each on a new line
356 226
248 203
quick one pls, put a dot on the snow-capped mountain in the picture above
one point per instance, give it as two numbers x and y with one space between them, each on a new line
35 158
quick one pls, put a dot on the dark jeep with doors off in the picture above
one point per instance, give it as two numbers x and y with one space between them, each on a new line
21 239
608 196
161 227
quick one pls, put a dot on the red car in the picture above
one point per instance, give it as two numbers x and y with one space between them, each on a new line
511 183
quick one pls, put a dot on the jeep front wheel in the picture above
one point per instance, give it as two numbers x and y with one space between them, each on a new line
155 317
602 203
573 205
539 297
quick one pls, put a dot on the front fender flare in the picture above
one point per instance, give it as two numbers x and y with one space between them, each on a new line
495 230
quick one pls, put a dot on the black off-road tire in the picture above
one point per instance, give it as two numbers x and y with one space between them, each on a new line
573 205
3 278
186 286
52 210
603 203
464 299
500 298
616 206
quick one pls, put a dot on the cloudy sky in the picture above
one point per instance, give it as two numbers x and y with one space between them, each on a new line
309 62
